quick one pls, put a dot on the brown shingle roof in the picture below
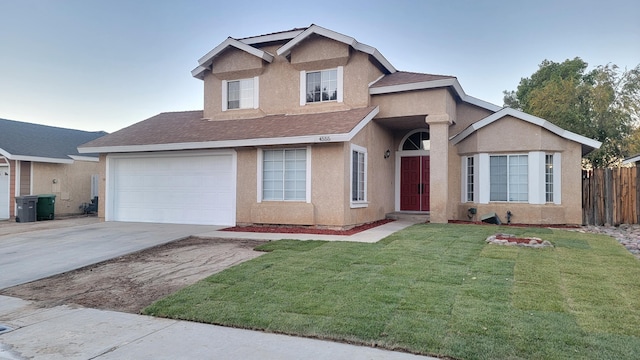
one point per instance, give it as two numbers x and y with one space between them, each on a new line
404 77
189 127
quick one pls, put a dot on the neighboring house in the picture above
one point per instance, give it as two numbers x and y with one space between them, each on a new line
38 159
311 127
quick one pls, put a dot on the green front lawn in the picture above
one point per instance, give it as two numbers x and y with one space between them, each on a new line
438 290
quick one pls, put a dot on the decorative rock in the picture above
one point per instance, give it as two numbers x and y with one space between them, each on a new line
512 240
628 235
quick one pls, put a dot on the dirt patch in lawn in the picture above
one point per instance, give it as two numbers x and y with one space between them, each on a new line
130 283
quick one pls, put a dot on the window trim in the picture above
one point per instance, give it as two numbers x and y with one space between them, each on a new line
256 94
259 177
365 202
339 87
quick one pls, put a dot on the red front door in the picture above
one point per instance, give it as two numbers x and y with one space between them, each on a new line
414 183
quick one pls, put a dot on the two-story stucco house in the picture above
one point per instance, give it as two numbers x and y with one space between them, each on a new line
311 127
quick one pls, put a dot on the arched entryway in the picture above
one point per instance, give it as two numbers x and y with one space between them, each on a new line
413 172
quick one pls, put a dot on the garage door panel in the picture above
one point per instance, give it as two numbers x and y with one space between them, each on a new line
176 189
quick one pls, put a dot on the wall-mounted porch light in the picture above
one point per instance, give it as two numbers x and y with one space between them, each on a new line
387 154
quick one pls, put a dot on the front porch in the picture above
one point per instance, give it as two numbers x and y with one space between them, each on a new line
413 216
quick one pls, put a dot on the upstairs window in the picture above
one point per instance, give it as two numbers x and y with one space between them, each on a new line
240 94
321 86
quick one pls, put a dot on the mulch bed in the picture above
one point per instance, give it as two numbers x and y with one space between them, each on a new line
305 230
555 226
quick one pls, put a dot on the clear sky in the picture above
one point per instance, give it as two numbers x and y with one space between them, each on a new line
106 64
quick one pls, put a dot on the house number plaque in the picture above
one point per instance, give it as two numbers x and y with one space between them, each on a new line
325 138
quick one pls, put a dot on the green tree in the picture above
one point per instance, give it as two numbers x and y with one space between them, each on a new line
602 104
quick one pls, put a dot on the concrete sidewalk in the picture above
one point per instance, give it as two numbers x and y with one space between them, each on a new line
368 236
65 332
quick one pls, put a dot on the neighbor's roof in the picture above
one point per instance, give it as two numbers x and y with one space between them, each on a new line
631 160
293 37
588 145
42 143
188 130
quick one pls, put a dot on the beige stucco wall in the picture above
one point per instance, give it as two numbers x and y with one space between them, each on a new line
508 136
72 185
467 114
330 186
279 81
318 53
327 182
424 102
380 175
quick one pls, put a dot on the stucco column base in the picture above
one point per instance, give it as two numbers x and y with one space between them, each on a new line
439 171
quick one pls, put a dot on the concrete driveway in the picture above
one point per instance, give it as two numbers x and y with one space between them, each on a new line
30 255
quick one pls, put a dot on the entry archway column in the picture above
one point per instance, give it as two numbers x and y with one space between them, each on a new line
439 167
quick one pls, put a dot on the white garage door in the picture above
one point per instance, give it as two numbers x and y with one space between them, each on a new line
189 188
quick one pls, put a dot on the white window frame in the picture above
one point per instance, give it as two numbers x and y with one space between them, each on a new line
536 178
548 178
339 88
255 104
464 191
260 177
360 203
509 183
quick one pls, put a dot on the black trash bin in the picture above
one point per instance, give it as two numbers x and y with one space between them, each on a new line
27 207
46 207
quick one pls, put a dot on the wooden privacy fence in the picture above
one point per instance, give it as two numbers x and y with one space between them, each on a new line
610 196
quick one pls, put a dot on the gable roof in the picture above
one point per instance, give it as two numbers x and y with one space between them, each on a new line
293 38
205 62
188 130
285 50
588 145
406 81
42 143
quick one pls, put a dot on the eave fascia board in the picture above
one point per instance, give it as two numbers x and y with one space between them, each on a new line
41 159
320 138
84 158
307 139
198 72
288 35
7 155
237 44
423 85
285 49
367 119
